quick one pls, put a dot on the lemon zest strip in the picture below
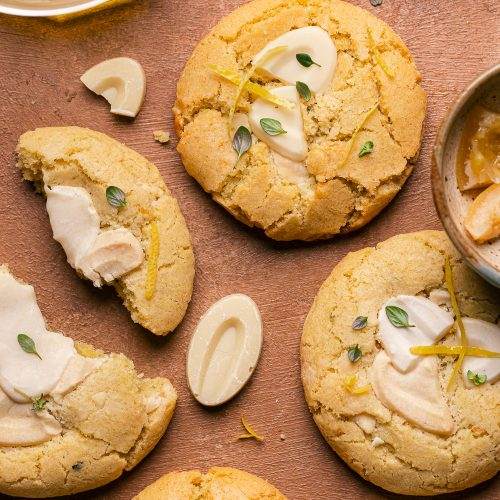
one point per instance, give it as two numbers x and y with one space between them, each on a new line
253 88
250 434
456 350
350 382
355 133
262 60
378 57
458 317
153 253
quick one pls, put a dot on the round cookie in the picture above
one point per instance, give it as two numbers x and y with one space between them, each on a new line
393 452
338 191
110 421
218 482
73 156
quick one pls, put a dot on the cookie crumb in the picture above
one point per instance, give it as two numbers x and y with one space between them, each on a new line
161 136
282 436
478 431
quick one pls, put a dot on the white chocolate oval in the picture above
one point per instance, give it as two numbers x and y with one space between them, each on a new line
224 349
121 81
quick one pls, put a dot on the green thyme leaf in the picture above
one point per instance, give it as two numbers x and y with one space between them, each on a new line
397 316
476 378
242 141
39 404
27 344
306 60
354 353
303 90
115 197
271 126
360 322
77 466
366 149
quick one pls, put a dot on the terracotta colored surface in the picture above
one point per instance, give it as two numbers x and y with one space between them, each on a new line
40 63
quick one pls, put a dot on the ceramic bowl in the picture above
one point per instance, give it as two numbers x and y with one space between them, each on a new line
47 8
450 203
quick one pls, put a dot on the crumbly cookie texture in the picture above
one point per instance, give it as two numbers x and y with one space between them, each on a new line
111 421
218 482
340 197
409 461
74 156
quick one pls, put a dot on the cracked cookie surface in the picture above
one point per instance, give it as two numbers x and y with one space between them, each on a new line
110 421
410 460
343 192
217 483
74 156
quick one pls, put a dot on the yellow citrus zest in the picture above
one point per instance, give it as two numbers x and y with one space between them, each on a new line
262 60
355 133
448 277
253 88
153 252
350 385
378 56
456 350
250 434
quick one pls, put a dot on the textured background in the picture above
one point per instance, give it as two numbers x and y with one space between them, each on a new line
40 65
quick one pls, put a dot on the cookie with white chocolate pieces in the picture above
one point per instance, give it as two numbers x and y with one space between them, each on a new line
218 482
72 418
383 371
332 99
115 218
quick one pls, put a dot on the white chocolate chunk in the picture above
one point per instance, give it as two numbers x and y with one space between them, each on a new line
365 422
416 396
486 335
24 376
74 220
377 441
121 81
114 253
224 350
431 323
292 144
100 256
311 40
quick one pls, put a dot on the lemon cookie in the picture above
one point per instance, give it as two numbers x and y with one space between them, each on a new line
218 482
115 218
72 418
406 398
300 117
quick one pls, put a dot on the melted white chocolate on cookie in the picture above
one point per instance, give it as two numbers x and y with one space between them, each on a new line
486 335
311 40
101 256
430 322
292 142
417 396
25 376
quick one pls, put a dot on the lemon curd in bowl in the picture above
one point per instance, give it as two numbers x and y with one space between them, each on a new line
466 174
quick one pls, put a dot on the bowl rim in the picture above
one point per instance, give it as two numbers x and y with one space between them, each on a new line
31 12
474 258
